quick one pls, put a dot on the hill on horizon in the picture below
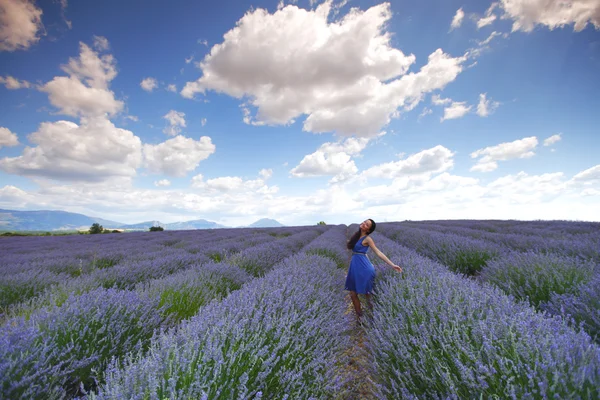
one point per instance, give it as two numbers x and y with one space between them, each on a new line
52 220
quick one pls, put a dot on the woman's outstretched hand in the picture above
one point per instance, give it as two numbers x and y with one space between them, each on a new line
397 268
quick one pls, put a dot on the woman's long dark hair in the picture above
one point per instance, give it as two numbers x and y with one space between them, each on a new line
352 242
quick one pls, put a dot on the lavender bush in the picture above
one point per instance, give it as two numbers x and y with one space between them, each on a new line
582 306
61 349
437 335
181 295
277 337
536 276
461 254
331 244
258 260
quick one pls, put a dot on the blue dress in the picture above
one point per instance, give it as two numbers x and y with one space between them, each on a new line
361 272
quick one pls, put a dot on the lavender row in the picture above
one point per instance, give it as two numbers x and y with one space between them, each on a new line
585 245
68 345
59 349
259 259
172 298
459 253
539 228
331 244
533 276
580 307
277 337
128 267
437 335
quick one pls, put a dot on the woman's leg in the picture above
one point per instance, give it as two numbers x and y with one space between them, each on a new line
356 302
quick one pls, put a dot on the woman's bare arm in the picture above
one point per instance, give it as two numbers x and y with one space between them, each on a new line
369 242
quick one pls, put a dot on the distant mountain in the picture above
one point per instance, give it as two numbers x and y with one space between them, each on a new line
195 224
265 223
142 225
48 220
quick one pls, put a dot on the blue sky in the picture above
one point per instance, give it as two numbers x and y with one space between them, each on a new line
301 111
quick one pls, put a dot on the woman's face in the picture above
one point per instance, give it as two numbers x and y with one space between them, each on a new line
365 226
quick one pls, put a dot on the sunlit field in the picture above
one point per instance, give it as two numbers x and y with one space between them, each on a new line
483 309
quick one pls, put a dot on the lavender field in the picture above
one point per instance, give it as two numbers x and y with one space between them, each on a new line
483 309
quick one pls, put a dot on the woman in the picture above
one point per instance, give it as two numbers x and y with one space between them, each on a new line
361 272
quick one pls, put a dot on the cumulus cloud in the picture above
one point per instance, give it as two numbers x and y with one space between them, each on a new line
457 109
177 156
14 83
458 19
552 139
434 160
331 159
526 14
233 185
343 75
7 138
486 106
93 151
85 91
162 183
489 156
149 84
176 121
172 88
20 22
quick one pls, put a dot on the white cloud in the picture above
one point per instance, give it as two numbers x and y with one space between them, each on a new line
331 159
177 156
552 139
486 106
101 43
458 19
189 59
489 18
85 92
526 14
149 84
162 183
7 138
426 111
265 173
13 83
589 175
438 101
11 195
176 122
233 186
457 109
203 121
93 151
434 160
485 21
20 21
523 187
343 75
235 201
489 156
172 88
132 118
